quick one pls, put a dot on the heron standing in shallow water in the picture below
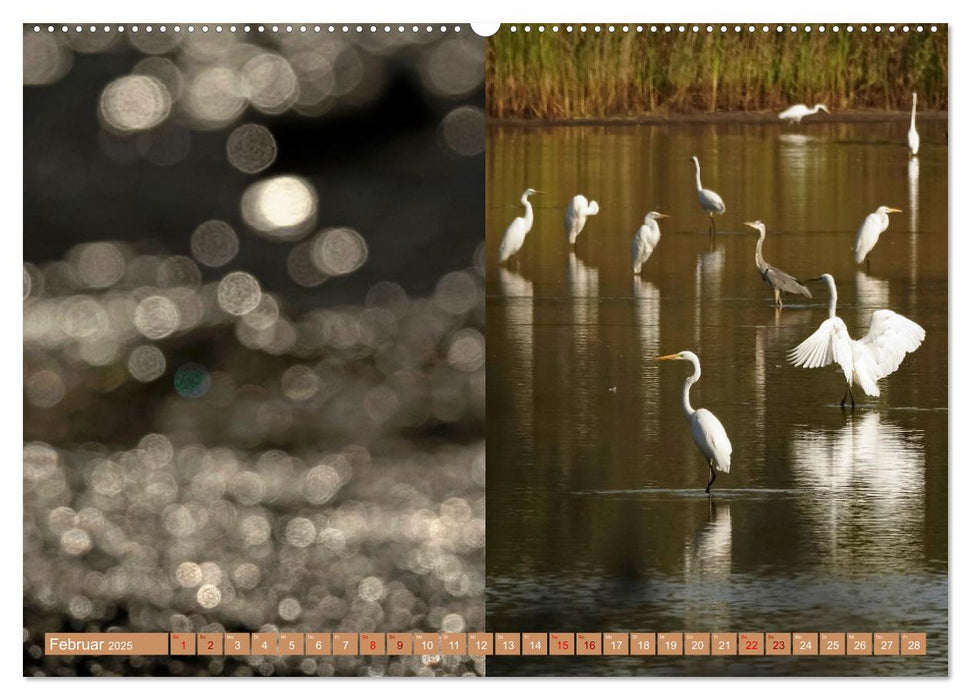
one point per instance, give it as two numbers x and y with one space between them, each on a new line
708 199
795 113
577 212
774 277
869 233
515 235
708 432
645 240
913 138
864 361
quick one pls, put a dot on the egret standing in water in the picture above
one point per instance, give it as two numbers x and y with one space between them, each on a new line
913 138
774 277
869 233
645 240
707 431
512 239
577 212
795 113
709 200
864 361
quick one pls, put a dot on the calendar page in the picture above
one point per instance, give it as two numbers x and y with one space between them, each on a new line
551 349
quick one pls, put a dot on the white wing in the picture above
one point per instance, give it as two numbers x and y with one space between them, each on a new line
512 239
795 113
913 140
710 201
645 241
867 235
712 440
890 337
573 222
830 343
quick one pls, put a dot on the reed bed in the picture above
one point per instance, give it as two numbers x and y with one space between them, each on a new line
588 75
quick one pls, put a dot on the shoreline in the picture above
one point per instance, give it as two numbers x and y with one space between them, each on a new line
849 116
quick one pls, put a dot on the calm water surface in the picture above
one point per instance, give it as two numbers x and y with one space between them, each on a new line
597 517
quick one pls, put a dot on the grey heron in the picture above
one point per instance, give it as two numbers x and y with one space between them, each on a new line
795 113
869 233
774 277
864 361
512 239
645 240
708 432
913 138
577 212
708 199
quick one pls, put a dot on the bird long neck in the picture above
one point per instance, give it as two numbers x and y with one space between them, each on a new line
913 114
832 297
528 216
685 398
698 174
814 110
759 260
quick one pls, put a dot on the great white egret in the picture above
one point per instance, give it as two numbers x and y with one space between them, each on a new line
645 240
512 239
869 233
577 212
913 138
709 200
708 432
774 277
795 113
864 361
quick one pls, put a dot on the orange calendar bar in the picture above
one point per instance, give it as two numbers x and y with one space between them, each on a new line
534 644
562 644
265 643
425 643
589 644
454 644
209 644
106 644
481 643
859 643
643 644
670 643
399 644
507 644
182 644
697 643
886 643
291 644
832 643
616 643
805 643
778 643
372 644
344 644
317 643
913 644
237 643
751 643
724 643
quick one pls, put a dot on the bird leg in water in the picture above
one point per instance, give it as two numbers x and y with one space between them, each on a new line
849 390
778 298
711 226
712 470
867 261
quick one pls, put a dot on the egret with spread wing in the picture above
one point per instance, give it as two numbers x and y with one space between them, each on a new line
774 277
708 432
869 233
645 240
515 235
795 113
709 200
864 361
577 212
913 138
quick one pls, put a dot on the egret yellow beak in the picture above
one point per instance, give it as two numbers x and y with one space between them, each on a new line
663 216
895 211
750 224
675 356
